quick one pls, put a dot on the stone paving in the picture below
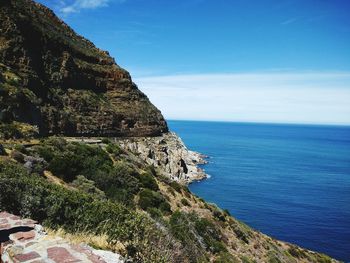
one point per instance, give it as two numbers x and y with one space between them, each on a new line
23 240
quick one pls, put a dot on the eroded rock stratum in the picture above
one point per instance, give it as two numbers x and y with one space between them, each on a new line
59 81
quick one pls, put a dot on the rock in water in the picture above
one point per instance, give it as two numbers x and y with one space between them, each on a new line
64 84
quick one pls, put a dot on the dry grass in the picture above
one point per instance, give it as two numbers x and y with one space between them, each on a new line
56 180
95 241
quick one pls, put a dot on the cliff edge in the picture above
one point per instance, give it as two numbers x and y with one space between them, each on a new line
60 82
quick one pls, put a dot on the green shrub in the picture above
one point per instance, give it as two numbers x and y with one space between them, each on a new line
241 234
182 227
217 246
322 258
171 190
31 196
114 149
219 215
68 160
273 258
46 152
165 208
225 257
9 131
227 212
154 212
17 130
147 180
296 252
21 148
211 235
150 199
176 186
2 150
246 259
18 156
106 141
185 202
88 186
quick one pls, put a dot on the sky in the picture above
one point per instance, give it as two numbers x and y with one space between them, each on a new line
228 60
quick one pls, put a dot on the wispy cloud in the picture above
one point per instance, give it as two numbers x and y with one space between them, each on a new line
289 21
295 97
78 5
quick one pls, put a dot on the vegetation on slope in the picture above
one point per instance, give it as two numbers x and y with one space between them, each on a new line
61 83
102 190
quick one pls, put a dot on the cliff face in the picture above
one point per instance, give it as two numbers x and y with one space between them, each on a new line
53 78
169 154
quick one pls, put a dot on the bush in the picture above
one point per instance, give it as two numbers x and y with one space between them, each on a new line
21 148
185 202
176 186
68 160
211 235
17 130
227 212
147 180
181 226
114 149
46 152
10 131
88 186
246 259
2 150
31 196
155 212
225 257
150 199
171 190
241 234
106 141
219 215
18 156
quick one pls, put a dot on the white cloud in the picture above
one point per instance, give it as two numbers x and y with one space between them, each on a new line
78 5
318 97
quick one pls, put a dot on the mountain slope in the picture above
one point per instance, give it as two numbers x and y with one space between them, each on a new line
122 192
104 192
63 83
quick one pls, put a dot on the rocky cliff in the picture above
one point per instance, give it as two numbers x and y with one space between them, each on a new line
104 193
169 154
57 80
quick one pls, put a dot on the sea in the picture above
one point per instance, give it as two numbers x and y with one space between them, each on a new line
291 182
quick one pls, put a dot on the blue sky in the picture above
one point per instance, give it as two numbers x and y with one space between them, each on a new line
178 50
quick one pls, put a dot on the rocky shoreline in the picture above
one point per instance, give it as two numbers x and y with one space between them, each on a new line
169 155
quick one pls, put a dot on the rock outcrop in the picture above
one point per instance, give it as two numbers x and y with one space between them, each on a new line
55 79
169 154
23 240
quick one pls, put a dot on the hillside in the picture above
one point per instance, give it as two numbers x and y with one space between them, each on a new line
60 82
112 199
124 188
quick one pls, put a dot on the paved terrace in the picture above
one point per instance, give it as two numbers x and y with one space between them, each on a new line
23 240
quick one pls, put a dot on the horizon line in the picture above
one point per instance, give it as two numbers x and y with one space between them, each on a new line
264 122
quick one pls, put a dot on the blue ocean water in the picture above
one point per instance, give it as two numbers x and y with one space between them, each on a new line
291 182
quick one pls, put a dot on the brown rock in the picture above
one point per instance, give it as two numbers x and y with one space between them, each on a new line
24 236
5 226
26 257
61 255
66 84
92 257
